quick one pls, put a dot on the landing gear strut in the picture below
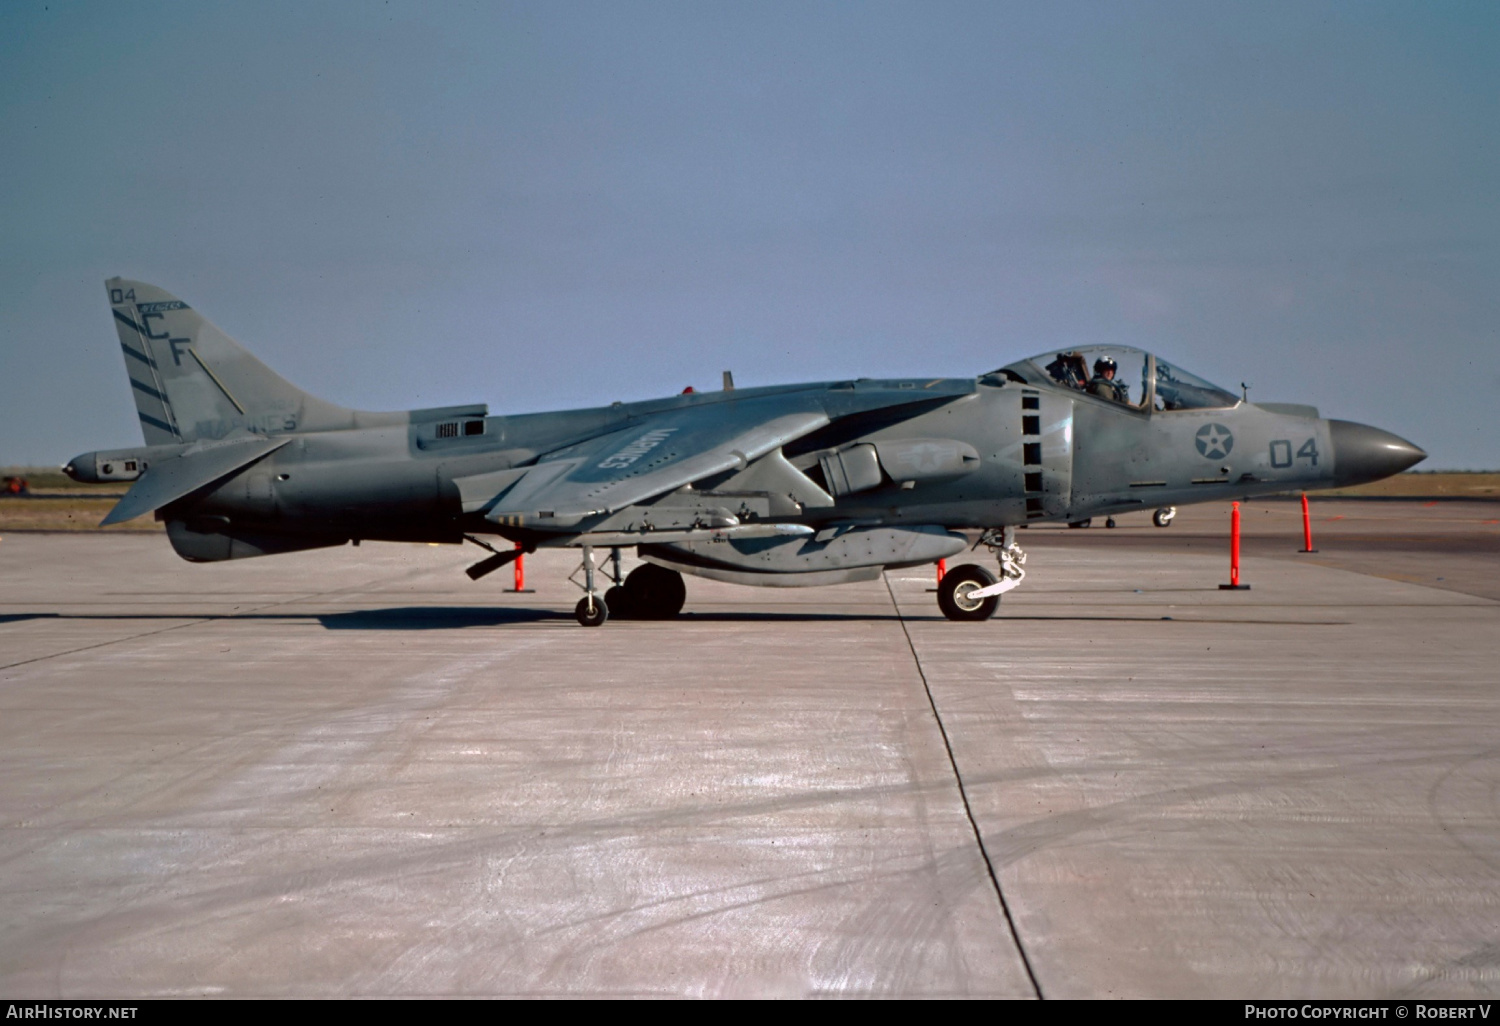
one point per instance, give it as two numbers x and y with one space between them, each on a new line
650 592
591 610
617 598
971 592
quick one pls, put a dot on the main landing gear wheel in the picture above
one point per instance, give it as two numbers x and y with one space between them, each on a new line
956 587
1086 521
1110 522
1163 517
618 601
591 611
654 592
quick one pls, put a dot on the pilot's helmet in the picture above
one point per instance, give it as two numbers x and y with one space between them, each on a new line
1103 364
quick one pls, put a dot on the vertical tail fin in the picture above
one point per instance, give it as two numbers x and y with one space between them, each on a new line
191 381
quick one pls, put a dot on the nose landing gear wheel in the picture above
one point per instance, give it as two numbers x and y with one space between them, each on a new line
591 613
958 584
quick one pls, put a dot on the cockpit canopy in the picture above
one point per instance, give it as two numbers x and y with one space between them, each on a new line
1122 375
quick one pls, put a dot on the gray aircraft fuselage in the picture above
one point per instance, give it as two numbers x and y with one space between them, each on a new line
880 473
396 483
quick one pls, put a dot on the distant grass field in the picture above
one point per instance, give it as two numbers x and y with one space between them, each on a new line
60 504
1433 484
51 480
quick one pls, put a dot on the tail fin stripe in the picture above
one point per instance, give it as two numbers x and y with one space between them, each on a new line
156 424
140 333
153 393
138 355
128 323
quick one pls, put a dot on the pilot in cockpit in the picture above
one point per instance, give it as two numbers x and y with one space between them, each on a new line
1104 385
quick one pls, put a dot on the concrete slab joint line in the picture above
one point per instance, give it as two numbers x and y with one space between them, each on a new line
989 865
101 644
191 622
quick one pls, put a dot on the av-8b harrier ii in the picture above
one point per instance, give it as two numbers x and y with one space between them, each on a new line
790 485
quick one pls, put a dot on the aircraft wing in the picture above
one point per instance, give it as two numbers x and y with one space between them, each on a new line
656 454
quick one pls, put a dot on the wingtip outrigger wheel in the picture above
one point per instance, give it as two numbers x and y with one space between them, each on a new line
1163 517
591 611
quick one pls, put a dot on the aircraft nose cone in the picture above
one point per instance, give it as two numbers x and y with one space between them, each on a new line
1362 453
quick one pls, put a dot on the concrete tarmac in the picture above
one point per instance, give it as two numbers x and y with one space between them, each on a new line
1449 544
355 772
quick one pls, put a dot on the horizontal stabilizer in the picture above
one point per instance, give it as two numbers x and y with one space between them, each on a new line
168 480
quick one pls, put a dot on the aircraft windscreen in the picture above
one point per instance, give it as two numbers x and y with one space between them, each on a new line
1176 389
1123 375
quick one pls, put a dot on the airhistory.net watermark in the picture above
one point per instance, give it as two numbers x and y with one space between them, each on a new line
41 1010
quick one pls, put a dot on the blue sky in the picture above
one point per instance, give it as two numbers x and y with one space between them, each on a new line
562 204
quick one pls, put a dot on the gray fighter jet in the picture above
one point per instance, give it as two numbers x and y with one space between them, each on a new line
787 486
